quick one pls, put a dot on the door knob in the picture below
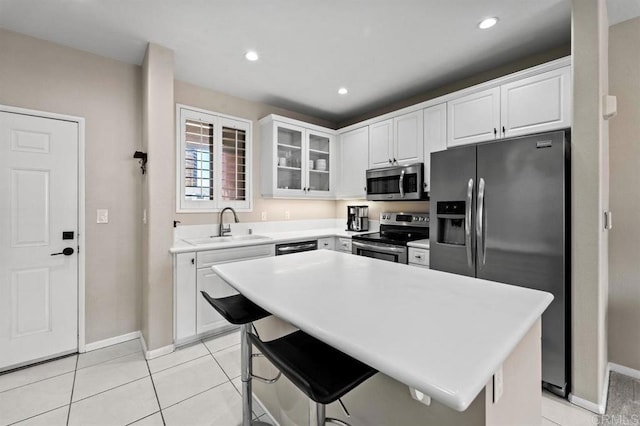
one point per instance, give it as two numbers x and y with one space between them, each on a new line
67 251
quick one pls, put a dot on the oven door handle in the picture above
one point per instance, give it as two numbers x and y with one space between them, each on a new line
401 184
381 249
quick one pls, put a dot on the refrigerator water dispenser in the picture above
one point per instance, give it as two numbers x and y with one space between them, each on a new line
451 223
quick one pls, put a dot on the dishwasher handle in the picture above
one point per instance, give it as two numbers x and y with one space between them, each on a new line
296 247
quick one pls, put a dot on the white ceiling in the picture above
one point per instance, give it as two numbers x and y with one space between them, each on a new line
381 50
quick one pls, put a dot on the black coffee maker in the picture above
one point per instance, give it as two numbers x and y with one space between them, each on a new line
357 218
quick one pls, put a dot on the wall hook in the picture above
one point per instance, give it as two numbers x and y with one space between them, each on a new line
143 160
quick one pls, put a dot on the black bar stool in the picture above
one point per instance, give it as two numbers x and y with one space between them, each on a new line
237 309
320 371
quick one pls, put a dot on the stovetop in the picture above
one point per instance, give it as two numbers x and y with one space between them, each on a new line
399 229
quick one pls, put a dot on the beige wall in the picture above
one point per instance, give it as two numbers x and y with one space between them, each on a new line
44 76
196 96
589 198
624 243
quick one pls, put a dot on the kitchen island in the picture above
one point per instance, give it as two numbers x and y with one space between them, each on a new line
441 334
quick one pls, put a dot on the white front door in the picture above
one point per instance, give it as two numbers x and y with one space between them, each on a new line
38 219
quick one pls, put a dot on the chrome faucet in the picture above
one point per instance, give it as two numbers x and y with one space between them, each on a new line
226 229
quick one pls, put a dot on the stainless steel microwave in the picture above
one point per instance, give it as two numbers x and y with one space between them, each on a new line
396 183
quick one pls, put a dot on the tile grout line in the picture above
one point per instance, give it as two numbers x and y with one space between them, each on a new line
39 380
225 373
176 365
194 395
73 386
155 391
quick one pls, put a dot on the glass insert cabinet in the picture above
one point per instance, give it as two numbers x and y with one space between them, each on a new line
297 160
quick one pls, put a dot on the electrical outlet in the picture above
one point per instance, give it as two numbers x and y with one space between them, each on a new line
144 216
263 216
102 216
287 215
498 385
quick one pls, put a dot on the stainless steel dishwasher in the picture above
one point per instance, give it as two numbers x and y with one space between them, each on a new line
297 247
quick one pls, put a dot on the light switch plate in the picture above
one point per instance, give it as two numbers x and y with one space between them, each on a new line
102 216
263 215
287 214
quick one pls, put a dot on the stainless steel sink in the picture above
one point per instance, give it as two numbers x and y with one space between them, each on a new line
221 240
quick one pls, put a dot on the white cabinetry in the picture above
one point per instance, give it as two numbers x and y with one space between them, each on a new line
473 118
435 136
396 141
536 104
418 257
298 159
344 245
381 144
192 274
327 243
354 161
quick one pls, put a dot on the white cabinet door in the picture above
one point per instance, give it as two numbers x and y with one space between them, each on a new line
408 138
344 245
185 301
207 318
327 243
537 104
473 118
380 144
319 164
354 161
435 136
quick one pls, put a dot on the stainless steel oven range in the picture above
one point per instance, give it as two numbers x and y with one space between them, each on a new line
396 230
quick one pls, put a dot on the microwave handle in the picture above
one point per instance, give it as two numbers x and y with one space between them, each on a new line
401 184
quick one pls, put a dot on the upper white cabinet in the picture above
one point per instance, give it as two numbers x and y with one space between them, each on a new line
408 138
381 144
536 104
396 141
473 118
354 161
435 136
298 159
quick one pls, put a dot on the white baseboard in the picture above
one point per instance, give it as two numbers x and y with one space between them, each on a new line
587 405
155 353
631 372
111 341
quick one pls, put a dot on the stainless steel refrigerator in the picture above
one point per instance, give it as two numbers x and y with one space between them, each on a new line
500 212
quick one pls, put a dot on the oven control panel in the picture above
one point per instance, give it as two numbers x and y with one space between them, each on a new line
407 219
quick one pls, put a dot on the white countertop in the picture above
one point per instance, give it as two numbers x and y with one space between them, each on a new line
423 244
181 246
441 333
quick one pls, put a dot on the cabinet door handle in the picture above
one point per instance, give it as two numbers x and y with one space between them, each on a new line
503 130
395 161
390 161
193 261
495 132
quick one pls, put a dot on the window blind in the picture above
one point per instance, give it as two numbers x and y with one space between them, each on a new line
234 164
199 160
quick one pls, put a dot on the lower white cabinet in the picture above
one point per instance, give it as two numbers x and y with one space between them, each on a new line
327 243
418 257
344 244
193 316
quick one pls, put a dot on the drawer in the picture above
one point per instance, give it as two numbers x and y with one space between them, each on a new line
326 243
419 256
344 244
212 257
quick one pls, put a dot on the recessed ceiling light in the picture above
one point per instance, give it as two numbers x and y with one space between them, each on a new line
251 56
487 23
343 91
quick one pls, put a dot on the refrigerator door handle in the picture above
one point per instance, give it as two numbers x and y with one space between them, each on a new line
468 224
480 237
401 184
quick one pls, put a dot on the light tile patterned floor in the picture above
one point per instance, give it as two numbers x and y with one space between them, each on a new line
195 385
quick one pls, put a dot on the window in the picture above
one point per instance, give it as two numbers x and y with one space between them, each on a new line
214 161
